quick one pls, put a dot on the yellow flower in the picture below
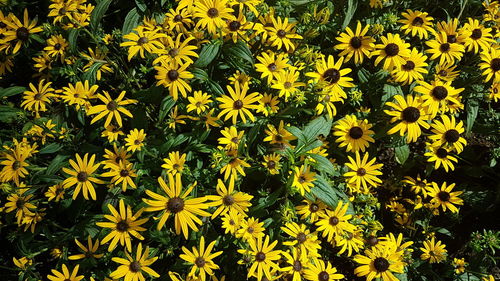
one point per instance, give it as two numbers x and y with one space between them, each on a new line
228 199
231 221
490 64
198 102
287 83
37 99
412 69
354 134
82 175
335 222
304 241
393 50
320 270
411 114
133 269
433 251
459 265
14 166
311 210
268 104
479 37
272 163
443 197
278 136
19 33
212 14
378 262
135 140
174 163
175 51
201 259
447 133
264 258
442 157
271 65
281 32
55 192
231 138
437 95
112 108
79 94
303 179
355 44
88 252
250 229
121 173
173 76
441 47
417 22
332 76
363 172
238 103
56 46
65 275
22 263
142 40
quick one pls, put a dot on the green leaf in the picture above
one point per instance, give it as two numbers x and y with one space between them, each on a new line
141 5
390 91
8 114
323 164
325 192
11 91
216 88
73 39
208 54
98 13
56 164
241 50
402 153
318 126
472 110
165 107
200 74
50 148
297 133
131 21
351 9
90 74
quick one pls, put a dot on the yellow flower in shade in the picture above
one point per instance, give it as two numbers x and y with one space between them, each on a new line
56 46
113 158
287 83
353 134
441 47
179 19
363 172
417 185
444 197
355 44
98 55
436 96
272 163
19 32
198 102
250 229
234 166
268 104
281 33
331 76
441 156
88 252
279 136
123 225
271 65
488 278
112 132
264 258
446 72
378 262
335 222
447 133
122 173
133 269
320 270
142 40
184 210
175 118
176 51
20 203
240 77
433 251
79 94
65 275
393 50
174 163
304 241
412 70
56 253
459 265
14 166
231 221
303 179
311 210
55 192
212 14
111 108
135 140
201 259
228 199
82 175
173 76
22 263
417 23
37 99
238 103
411 114
451 31
296 264
6 63
479 37
490 64
349 241
494 94
231 138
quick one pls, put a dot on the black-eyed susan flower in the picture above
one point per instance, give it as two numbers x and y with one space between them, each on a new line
272 163
378 262
303 179
175 203
268 104
270 65
436 96
135 140
228 199
447 133
335 222
230 138
446 71
143 40
179 19
287 83
353 134
412 70
478 36
392 50
250 229
433 251
321 270
55 192
331 75
281 33
411 116
38 97
417 185
355 43
212 14
175 118
238 103
459 265
112 132
93 57
490 64
279 136
201 259
264 258
22 263
311 210
234 165
363 172
56 46
176 51
123 225
494 93
231 221
417 23
122 173
198 102
174 163
450 28
445 50
174 76
307 243
441 156
116 156
237 28
19 32
442 196
88 252
83 176
20 202
112 108
79 94
65 275
14 166
349 241
296 264
134 268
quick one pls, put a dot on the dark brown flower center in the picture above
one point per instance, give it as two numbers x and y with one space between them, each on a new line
122 226
200 262
16 165
381 264
418 21
135 266
235 140
142 40
124 173
173 52
250 230
323 276
442 73
228 200
334 221
172 75
452 136
177 18
137 142
260 256
297 265
57 46
287 85
391 49
213 12
302 179
409 65
271 164
313 208
356 132
238 104
112 105
281 33
451 38
22 33
234 25
356 42
2 25
495 64
476 34
441 152
301 237
175 204
439 92
444 196
82 176
20 203
38 96
445 47
361 172
411 114
272 67
372 240
331 75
